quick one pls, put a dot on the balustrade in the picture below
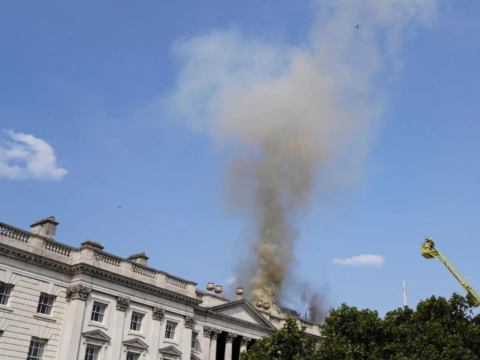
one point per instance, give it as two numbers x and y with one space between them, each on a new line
57 248
14 233
176 282
107 258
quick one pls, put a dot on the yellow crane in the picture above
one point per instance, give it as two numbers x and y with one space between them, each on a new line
429 252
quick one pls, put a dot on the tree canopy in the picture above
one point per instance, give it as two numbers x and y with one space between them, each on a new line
438 329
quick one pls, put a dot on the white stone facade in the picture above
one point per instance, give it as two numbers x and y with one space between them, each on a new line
66 303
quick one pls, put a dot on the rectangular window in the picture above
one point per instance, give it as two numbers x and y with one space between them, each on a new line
132 356
36 349
170 330
194 340
45 304
4 293
92 352
98 312
136 323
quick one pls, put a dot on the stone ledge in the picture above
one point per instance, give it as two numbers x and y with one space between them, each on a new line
44 317
6 309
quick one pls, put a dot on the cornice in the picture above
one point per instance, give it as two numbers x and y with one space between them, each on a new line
120 279
92 270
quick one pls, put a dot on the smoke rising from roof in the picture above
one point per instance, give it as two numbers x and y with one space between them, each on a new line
286 113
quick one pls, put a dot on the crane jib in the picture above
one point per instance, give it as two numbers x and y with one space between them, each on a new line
429 252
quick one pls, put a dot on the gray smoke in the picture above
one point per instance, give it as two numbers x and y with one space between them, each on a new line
286 114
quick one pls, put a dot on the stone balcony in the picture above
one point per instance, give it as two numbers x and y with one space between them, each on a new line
40 242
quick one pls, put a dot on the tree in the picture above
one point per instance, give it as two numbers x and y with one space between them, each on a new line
290 343
352 334
438 329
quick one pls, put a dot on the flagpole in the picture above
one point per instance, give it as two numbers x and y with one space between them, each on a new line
404 293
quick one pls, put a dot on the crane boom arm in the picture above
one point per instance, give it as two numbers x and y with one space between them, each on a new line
458 276
429 252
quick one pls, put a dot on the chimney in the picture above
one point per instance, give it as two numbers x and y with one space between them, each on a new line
92 244
45 227
239 293
140 258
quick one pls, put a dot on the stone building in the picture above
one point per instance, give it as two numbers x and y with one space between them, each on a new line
68 303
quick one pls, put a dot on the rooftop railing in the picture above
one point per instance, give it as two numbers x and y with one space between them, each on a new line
14 233
91 253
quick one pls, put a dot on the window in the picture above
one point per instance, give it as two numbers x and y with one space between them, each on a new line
98 312
132 356
4 293
45 304
92 352
194 340
136 323
170 330
36 349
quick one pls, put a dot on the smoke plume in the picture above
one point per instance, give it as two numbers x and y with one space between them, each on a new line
287 113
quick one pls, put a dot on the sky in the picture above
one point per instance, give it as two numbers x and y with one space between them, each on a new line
86 91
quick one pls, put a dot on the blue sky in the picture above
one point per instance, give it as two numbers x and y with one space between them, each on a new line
90 80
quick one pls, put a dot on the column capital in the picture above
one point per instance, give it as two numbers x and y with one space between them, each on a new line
230 337
245 341
189 322
216 333
78 292
207 331
122 303
158 313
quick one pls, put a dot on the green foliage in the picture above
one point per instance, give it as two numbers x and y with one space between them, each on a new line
290 343
438 329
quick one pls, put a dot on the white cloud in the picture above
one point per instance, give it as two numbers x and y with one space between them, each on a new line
361 260
23 156
230 281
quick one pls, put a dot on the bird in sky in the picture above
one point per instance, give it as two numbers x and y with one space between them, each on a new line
358 26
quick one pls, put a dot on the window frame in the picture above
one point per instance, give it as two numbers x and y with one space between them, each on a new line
48 306
194 341
95 356
135 354
175 330
5 296
140 323
104 314
42 346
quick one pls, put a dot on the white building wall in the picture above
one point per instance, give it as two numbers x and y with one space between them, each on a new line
33 265
19 319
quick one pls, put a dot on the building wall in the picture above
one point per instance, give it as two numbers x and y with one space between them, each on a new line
79 277
19 319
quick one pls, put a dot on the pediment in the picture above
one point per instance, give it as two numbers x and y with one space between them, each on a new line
170 350
97 335
136 343
194 357
242 310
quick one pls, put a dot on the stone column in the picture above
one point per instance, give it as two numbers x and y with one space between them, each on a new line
207 335
189 323
244 343
228 347
158 314
72 327
119 326
213 344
